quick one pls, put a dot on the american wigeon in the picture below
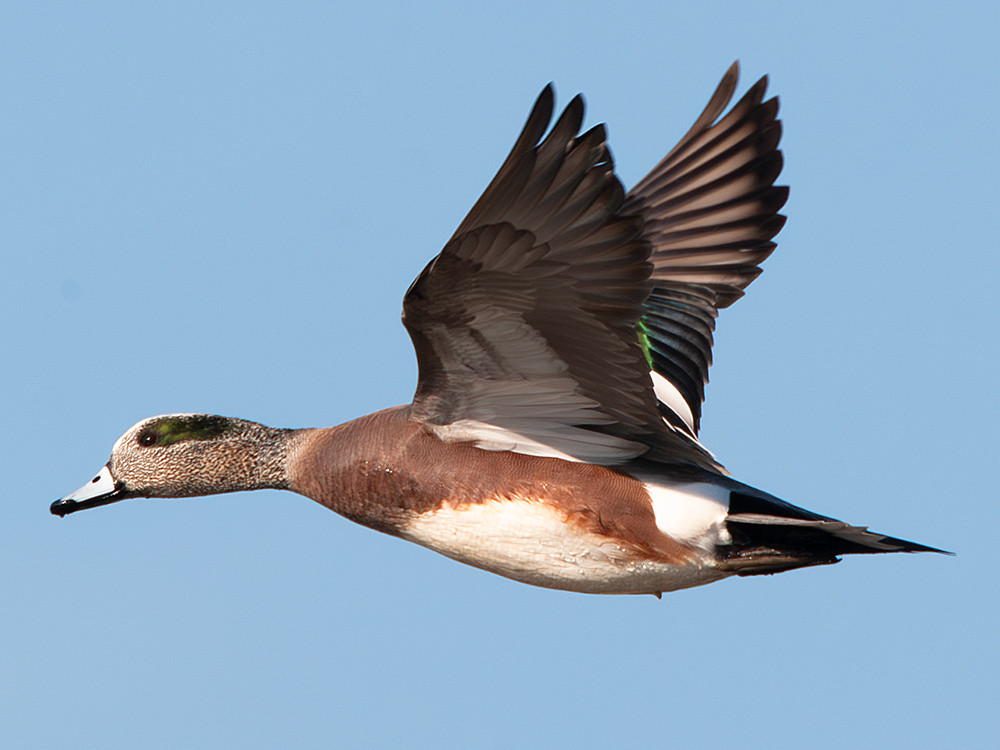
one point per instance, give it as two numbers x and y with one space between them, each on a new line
564 337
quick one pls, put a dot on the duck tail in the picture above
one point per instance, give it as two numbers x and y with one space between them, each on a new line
771 536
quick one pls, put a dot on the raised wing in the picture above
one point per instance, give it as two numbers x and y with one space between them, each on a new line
525 325
710 210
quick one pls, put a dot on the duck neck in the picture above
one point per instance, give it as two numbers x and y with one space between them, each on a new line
258 459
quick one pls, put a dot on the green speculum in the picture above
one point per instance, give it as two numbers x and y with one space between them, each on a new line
643 335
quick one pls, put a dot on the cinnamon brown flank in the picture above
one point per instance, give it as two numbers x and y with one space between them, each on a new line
383 469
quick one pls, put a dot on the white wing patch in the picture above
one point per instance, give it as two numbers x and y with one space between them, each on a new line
668 395
550 441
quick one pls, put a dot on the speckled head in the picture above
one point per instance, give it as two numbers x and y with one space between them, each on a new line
185 455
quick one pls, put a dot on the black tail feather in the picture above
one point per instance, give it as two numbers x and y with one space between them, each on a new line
770 536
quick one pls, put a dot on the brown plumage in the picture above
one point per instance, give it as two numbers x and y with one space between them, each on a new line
384 468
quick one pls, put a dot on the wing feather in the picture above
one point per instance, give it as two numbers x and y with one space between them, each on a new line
711 210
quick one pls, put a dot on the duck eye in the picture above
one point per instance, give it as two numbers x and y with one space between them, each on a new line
147 439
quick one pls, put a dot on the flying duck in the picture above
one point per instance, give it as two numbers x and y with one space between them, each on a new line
563 337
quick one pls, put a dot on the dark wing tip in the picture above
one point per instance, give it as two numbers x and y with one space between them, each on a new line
569 122
538 120
546 99
727 85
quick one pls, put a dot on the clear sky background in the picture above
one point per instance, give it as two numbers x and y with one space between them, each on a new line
218 207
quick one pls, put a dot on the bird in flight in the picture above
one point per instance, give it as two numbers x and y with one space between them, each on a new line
563 336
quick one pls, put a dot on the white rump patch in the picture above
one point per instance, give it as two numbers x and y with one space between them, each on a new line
694 513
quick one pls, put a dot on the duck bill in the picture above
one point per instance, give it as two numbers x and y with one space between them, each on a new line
101 490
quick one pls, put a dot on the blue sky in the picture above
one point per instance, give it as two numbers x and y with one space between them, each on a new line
218 206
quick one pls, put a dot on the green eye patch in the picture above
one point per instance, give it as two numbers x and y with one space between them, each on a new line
174 429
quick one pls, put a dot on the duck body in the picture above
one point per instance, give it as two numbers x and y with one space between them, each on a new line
563 337
539 520
642 527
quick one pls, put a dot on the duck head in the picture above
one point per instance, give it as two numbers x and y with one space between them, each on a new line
185 455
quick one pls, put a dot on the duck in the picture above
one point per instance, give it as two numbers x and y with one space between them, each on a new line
563 336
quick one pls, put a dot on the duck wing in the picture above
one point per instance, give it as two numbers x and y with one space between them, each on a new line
539 326
710 211
525 324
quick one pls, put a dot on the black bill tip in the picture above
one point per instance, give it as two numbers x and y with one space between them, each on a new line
66 505
62 507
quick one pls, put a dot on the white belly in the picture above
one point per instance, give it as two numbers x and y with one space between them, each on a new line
532 542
